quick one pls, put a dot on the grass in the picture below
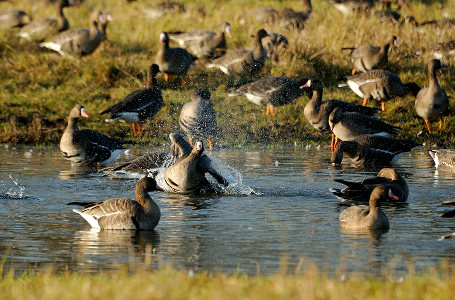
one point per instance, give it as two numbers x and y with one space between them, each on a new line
38 88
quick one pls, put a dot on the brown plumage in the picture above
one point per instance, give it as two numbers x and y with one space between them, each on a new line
14 18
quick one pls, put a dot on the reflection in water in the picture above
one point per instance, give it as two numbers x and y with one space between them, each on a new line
77 172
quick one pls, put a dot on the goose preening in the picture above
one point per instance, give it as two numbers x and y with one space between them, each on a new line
366 57
203 43
270 91
123 213
360 191
140 105
243 61
372 217
88 147
40 29
78 41
275 45
432 102
173 61
198 118
443 159
10 18
379 85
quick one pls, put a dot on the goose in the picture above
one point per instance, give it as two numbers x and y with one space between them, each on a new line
140 105
88 147
39 30
243 61
198 118
432 102
78 41
372 217
270 91
173 61
10 18
443 159
379 85
275 45
360 191
442 49
366 58
348 7
286 18
317 112
203 43
163 8
371 150
123 213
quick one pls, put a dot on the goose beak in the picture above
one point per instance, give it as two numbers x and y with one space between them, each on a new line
84 113
397 44
306 85
199 146
393 196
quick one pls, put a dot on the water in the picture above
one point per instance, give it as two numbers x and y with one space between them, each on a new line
288 219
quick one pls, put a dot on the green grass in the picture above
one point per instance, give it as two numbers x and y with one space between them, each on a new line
39 88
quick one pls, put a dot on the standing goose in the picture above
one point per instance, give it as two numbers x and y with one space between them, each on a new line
14 18
270 91
78 41
444 159
366 58
88 147
140 105
172 61
380 85
372 150
243 61
432 102
203 43
372 217
198 118
124 213
360 191
41 29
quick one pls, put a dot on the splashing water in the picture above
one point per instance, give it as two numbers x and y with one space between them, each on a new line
16 192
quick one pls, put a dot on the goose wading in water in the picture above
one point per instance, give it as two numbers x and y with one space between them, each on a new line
123 213
88 147
140 105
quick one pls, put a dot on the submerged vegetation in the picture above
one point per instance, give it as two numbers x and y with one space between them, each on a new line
38 88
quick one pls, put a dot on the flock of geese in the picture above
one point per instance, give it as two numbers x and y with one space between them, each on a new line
356 132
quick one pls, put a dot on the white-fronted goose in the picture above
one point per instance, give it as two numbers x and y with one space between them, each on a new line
88 147
39 30
366 58
372 150
444 159
360 191
270 91
140 105
106 20
380 85
123 213
203 43
163 8
172 61
243 61
14 18
198 118
275 45
348 126
432 102
78 41
372 217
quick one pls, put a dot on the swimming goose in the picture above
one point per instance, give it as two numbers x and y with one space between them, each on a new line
243 61
380 85
366 58
78 41
360 191
39 30
140 105
88 147
270 91
443 159
172 61
432 102
371 150
198 118
203 43
372 217
123 213
275 45
10 18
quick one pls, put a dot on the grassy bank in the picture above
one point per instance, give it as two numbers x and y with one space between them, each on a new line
38 88
173 284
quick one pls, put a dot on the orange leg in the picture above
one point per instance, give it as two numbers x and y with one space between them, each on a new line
139 130
365 101
267 110
191 140
428 126
270 110
383 105
210 143
166 78
336 142
353 72
440 124
332 144
134 129
183 81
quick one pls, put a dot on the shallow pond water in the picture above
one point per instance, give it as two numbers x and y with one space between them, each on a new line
290 221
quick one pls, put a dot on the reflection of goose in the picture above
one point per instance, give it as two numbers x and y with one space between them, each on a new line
123 213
